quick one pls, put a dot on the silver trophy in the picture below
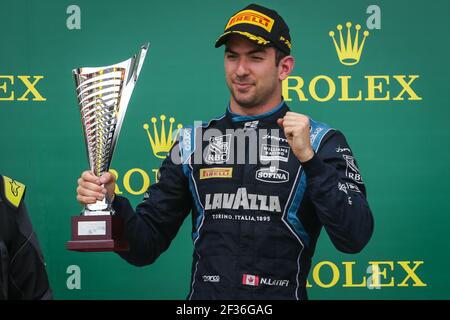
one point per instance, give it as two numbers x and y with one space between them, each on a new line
103 94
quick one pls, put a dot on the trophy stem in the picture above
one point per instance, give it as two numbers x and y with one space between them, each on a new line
99 208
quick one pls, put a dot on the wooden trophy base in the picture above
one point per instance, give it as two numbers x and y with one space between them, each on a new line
97 233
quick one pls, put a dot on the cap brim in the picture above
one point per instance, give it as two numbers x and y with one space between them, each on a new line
254 38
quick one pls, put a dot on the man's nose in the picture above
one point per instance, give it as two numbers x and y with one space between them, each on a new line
242 68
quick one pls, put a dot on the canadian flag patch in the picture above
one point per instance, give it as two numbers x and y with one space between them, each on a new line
250 280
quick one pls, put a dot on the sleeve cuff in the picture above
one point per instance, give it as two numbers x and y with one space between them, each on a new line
314 166
122 206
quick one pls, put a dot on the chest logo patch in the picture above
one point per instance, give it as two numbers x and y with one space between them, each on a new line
216 173
269 152
218 149
272 175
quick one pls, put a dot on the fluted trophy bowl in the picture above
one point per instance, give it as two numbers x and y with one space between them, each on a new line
103 94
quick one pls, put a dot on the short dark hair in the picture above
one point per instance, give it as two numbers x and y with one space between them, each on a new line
279 55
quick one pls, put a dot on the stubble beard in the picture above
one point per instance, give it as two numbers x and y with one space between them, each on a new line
252 100
247 102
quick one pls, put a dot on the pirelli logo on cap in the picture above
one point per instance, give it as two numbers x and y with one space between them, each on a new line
216 173
252 17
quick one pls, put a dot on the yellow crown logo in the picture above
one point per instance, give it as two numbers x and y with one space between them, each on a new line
161 143
349 53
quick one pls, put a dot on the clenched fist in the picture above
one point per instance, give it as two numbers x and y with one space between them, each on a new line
92 188
296 129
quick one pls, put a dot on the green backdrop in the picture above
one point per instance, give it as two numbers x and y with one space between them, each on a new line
399 138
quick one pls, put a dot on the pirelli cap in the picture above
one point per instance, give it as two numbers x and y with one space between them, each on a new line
259 24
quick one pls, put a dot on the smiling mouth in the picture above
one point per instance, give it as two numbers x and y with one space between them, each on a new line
242 85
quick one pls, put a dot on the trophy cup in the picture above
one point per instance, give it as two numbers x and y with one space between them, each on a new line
103 94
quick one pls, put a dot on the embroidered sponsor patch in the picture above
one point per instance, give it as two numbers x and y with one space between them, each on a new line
250 280
241 200
276 138
251 17
353 187
208 278
216 173
187 132
342 187
269 152
352 170
339 149
272 175
251 125
218 149
314 134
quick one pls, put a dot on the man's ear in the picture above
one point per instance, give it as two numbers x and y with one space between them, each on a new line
285 67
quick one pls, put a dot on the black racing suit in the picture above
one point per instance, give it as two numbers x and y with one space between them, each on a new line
256 214
22 268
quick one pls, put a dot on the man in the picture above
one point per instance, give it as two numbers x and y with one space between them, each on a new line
22 268
255 221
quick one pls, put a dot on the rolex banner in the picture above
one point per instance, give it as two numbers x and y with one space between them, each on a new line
377 71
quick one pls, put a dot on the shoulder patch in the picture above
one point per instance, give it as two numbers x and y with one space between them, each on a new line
317 132
186 142
14 191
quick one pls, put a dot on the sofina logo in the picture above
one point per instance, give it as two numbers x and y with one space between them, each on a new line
272 175
162 142
348 51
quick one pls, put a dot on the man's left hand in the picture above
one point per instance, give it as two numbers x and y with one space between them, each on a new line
296 129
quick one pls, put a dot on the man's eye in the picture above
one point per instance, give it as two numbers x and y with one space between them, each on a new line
231 56
258 58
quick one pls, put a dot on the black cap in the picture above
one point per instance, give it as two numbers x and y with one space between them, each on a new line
259 24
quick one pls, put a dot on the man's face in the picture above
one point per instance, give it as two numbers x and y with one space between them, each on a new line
250 72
